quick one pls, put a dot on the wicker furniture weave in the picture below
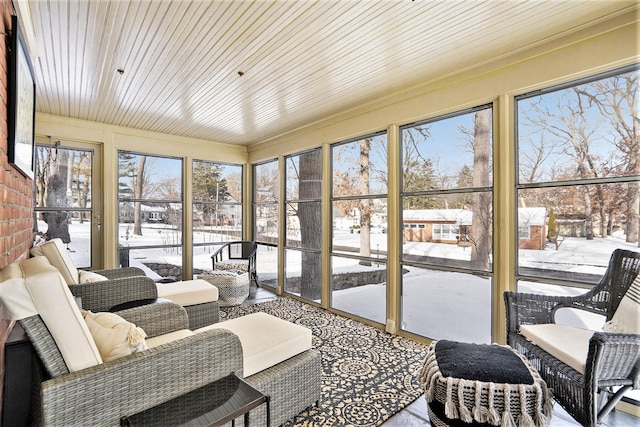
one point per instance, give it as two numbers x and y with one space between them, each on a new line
481 384
101 395
239 255
613 359
233 287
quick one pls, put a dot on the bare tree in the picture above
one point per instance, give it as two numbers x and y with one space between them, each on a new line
365 204
58 222
137 195
310 216
617 100
481 221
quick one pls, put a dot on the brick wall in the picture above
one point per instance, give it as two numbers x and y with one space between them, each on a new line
16 191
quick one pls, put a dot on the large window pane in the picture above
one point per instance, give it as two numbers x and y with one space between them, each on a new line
267 265
558 221
303 274
304 224
217 209
460 235
447 153
359 215
265 202
63 197
347 230
150 213
578 178
358 289
304 176
78 229
446 305
447 217
581 131
360 167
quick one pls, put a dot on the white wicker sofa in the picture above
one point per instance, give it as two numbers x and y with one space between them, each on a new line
91 379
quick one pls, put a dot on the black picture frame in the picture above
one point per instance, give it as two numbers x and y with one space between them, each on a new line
21 104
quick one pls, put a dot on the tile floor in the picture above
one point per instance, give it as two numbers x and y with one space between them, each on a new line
416 413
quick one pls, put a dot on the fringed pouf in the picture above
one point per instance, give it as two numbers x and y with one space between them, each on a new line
483 385
233 286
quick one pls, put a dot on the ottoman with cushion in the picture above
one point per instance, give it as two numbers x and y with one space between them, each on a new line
483 385
233 286
198 298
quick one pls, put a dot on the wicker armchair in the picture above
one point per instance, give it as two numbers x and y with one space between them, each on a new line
102 394
613 360
239 255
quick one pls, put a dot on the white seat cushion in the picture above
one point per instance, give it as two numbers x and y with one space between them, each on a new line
566 343
166 338
188 292
266 340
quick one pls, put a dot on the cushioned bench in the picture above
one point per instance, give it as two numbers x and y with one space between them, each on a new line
198 297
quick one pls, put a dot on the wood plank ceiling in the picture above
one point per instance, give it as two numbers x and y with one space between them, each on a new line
302 61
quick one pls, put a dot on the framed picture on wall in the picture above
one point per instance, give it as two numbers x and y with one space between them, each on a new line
22 104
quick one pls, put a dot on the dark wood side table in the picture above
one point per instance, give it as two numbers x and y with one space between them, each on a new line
214 404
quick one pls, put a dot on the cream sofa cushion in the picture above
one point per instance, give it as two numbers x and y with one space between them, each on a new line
59 257
56 306
266 340
114 336
188 292
566 343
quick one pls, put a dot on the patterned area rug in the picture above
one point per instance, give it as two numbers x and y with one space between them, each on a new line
369 375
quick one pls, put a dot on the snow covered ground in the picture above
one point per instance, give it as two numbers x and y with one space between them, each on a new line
435 304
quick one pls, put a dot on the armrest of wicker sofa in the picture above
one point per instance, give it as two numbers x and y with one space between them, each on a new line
119 273
158 318
101 296
529 309
613 356
535 309
102 394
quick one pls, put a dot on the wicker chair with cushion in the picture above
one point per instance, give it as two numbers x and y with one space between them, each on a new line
102 290
576 363
99 368
239 256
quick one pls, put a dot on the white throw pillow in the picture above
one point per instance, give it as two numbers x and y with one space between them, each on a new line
90 277
114 336
626 319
